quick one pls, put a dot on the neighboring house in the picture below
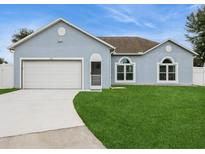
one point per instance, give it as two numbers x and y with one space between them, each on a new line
61 55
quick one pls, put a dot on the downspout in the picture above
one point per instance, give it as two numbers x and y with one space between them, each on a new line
111 52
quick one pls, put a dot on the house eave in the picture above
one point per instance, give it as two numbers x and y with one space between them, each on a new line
13 46
143 53
173 41
128 54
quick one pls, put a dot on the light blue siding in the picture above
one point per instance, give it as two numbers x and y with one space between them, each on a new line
78 45
75 44
146 65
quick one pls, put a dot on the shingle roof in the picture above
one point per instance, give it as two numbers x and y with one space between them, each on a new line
129 44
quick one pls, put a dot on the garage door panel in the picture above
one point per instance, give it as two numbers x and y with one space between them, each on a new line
52 74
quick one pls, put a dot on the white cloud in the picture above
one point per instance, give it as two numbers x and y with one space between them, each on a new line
194 7
121 15
126 15
150 25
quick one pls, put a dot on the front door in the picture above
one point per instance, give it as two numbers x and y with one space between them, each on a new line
95 75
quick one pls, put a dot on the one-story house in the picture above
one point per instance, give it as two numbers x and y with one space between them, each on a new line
62 55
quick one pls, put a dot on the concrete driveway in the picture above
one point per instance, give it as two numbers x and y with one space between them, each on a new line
28 111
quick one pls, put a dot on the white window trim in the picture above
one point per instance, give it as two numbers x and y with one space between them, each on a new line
176 72
125 81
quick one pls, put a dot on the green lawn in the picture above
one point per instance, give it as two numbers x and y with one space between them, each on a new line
145 116
2 91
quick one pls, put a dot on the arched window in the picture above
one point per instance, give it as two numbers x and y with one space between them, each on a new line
167 70
125 61
166 61
96 57
125 70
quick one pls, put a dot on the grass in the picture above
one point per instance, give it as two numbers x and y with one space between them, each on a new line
3 91
145 116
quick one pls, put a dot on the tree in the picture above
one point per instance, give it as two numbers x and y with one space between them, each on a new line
195 27
23 32
2 61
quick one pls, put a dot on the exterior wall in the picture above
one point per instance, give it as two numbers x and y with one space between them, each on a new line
75 44
146 65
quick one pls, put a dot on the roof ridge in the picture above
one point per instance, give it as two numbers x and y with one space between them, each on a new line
128 37
12 46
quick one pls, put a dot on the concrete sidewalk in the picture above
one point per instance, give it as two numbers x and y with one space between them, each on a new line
70 138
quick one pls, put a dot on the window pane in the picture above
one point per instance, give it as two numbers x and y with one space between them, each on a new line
172 76
162 68
172 68
129 68
96 68
120 68
166 61
96 80
129 76
162 76
125 61
120 76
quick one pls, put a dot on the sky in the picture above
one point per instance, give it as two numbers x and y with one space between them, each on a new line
155 22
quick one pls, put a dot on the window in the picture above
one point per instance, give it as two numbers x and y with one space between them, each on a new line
125 61
125 70
162 72
120 72
171 74
167 70
167 61
129 72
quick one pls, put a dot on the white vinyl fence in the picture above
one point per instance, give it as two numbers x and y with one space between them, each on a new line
199 76
6 76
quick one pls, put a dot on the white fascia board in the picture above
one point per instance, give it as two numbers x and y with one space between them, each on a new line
52 23
143 53
81 30
128 54
33 34
171 40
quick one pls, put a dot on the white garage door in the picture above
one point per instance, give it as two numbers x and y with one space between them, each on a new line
52 74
